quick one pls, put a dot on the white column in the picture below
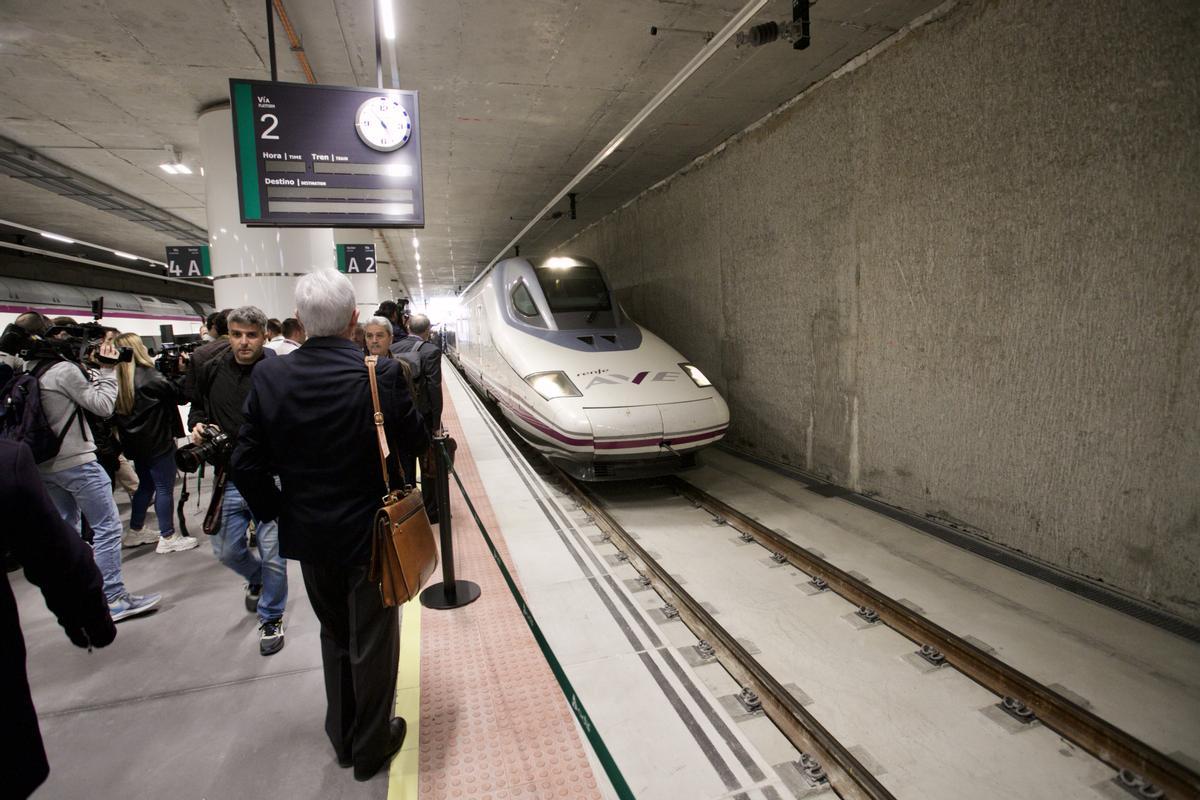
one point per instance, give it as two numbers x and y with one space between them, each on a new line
252 266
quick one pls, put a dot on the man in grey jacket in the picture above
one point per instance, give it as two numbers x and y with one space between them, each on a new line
74 478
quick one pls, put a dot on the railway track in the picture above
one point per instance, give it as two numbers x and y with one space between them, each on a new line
1150 772
1143 770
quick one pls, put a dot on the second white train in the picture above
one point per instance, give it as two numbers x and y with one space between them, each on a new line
579 380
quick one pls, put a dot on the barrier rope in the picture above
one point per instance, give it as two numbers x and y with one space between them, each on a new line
585 721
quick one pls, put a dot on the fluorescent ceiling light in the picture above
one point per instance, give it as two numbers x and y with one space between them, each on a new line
170 169
58 238
389 20
183 169
123 254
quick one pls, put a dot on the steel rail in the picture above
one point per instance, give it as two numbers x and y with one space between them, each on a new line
1103 740
845 773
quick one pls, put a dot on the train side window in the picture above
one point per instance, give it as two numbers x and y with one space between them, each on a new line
523 301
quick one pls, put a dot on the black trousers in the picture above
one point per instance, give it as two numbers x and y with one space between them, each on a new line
360 649
428 486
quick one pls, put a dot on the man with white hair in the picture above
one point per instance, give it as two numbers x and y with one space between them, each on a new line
378 333
309 421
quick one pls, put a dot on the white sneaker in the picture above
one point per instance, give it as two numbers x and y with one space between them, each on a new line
132 538
176 543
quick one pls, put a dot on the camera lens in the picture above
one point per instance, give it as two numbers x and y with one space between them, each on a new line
188 459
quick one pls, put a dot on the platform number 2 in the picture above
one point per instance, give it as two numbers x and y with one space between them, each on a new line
352 265
274 123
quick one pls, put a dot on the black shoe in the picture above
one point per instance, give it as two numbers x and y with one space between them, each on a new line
396 730
253 592
271 639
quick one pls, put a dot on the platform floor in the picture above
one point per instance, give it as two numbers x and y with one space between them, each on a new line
183 706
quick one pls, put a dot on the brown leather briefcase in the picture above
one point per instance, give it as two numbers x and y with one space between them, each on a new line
403 552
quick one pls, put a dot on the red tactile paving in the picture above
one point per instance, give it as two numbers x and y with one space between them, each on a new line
494 723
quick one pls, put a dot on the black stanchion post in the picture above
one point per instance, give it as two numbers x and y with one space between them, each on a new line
450 593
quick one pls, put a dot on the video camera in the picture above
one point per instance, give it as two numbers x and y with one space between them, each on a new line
80 343
214 449
173 349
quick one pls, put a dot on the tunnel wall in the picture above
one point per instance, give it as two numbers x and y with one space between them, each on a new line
962 276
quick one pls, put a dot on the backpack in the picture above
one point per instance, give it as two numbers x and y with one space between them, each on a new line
419 380
23 418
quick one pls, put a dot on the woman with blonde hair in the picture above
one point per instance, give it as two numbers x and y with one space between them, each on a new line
148 422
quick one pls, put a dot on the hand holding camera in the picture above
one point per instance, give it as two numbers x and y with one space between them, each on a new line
209 444
110 356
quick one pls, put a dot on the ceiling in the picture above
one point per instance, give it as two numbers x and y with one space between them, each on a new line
516 97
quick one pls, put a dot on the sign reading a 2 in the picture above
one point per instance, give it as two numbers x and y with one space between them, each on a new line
368 265
358 259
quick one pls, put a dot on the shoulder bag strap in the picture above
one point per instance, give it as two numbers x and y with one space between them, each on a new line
379 430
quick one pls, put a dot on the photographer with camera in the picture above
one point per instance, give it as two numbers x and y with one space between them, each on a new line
148 422
74 479
217 346
221 386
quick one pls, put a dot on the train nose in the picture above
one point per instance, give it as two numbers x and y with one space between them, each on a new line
640 431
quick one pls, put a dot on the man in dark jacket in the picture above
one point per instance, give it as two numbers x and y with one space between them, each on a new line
206 352
429 361
426 360
58 561
222 386
309 420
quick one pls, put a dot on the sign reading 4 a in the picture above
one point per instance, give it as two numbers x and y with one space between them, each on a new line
356 258
189 261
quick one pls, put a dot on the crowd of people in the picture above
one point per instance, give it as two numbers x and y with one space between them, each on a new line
280 412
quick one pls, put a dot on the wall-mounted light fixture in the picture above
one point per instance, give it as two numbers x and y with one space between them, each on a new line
174 164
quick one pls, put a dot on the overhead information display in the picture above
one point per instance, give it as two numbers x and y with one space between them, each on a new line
189 261
356 258
327 156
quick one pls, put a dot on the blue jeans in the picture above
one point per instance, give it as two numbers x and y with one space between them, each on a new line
268 570
88 489
156 479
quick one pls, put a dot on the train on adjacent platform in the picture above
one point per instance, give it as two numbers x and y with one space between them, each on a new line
597 393
142 314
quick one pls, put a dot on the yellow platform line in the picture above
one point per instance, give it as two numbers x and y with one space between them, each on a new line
402 777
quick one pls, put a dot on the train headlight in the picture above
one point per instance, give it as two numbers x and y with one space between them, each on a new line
696 375
552 385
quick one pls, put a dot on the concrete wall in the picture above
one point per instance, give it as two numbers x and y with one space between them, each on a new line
963 277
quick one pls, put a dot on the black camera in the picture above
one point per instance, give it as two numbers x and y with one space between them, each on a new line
15 340
214 449
124 355
170 355
169 358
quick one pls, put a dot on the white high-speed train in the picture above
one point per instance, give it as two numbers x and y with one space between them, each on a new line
596 392
130 313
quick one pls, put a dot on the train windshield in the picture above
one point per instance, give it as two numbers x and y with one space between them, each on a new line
576 288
